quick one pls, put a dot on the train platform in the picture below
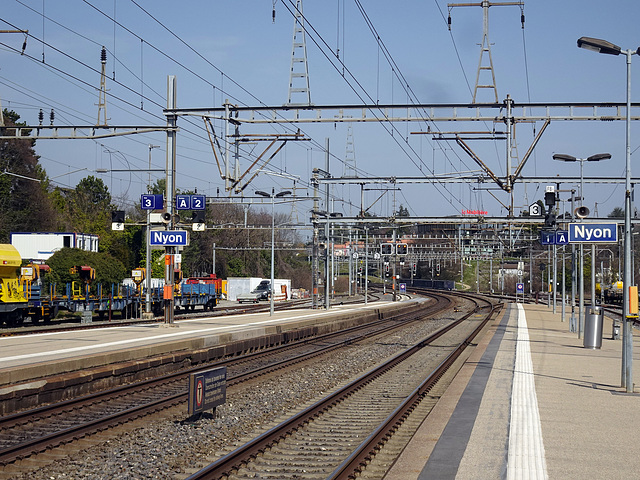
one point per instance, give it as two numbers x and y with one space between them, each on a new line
52 366
531 403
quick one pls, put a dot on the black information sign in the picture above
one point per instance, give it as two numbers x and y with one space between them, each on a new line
207 390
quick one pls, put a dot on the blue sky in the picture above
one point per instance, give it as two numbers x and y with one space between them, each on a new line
231 49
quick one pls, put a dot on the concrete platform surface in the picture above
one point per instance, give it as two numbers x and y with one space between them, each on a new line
532 402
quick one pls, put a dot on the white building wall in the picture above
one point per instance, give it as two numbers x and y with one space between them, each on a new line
41 245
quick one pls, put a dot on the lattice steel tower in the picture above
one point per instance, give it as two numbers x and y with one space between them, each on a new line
350 155
299 73
485 65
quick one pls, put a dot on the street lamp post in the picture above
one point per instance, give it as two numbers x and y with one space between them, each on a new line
593 158
603 46
148 261
273 196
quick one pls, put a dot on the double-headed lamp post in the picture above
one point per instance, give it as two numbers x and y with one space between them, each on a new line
273 196
593 158
603 46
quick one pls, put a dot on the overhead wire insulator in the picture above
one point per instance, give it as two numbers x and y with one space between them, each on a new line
273 12
449 22
52 116
103 56
522 20
40 116
24 45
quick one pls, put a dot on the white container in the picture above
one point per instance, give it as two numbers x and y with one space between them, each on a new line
239 285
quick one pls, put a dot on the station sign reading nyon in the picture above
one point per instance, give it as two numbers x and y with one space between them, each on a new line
169 238
593 232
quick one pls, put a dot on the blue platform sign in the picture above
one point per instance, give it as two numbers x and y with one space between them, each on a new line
519 287
562 237
149 201
547 237
198 202
191 202
593 232
183 202
169 238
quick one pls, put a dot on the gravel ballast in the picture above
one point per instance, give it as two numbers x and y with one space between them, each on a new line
169 448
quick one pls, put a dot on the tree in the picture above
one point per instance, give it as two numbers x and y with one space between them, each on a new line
109 270
25 205
616 213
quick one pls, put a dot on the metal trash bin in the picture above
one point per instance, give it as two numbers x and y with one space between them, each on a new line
593 327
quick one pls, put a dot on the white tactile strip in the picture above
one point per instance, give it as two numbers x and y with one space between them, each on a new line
526 459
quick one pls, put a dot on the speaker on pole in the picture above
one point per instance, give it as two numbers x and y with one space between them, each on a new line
581 212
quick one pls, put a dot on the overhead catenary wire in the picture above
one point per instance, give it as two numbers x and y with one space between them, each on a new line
133 106
360 91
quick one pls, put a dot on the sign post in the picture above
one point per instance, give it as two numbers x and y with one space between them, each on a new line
207 390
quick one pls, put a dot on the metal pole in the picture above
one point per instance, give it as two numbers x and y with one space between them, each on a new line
327 250
548 277
555 275
273 238
314 253
148 261
491 274
333 267
593 274
564 298
366 264
213 258
581 293
171 191
627 339
350 264
395 259
572 321
227 157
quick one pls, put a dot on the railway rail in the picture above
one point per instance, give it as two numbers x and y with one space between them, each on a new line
372 407
25 434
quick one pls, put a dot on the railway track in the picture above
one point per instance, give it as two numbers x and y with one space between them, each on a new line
340 435
25 434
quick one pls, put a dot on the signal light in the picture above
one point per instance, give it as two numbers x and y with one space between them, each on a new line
386 249
402 248
550 196
117 216
197 216
550 220
117 220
